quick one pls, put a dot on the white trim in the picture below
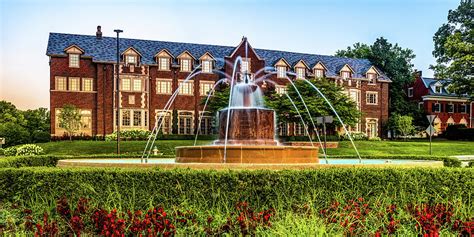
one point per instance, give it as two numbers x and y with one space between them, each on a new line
250 47
441 98
367 97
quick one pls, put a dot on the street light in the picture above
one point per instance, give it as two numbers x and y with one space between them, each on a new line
117 86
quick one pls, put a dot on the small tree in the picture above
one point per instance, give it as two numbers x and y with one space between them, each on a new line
403 124
70 119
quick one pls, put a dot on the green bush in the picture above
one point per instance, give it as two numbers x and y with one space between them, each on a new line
459 132
40 136
2 151
447 161
10 151
130 135
29 150
14 134
356 136
208 189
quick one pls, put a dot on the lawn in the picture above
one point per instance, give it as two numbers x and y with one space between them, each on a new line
366 148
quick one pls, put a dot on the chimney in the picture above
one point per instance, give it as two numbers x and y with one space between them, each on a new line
98 34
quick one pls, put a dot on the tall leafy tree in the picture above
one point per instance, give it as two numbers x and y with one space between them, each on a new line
395 62
70 119
454 49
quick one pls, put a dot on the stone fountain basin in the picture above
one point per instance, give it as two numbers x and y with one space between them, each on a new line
247 154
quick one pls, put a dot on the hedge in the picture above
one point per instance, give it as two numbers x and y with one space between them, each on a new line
26 161
218 190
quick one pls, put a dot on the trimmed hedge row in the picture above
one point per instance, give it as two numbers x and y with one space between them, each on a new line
26 161
219 190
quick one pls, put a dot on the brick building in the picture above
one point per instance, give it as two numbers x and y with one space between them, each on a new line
434 97
82 73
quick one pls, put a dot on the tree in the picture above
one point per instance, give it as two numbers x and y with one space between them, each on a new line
14 134
454 49
70 119
38 124
9 113
402 123
395 62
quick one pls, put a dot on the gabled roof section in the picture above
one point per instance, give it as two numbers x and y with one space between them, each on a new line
244 43
301 63
132 51
373 69
163 53
282 62
320 65
207 56
103 50
74 49
430 83
346 67
186 54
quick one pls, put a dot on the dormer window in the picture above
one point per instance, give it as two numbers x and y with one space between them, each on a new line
300 73
346 75
74 60
164 64
245 66
281 71
185 65
318 73
207 66
130 59
438 89
372 78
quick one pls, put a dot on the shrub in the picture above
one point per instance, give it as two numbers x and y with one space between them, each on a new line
459 132
29 150
356 136
10 151
40 136
136 134
2 151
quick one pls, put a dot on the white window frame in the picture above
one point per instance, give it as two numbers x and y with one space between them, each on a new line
188 117
438 106
137 85
300 72
131 99
164 86
185 65
87 84
440 89
186 88
76 81
206 119
447 108
164 63
410 92
207 66
368 97
462 106
345 75
372 121
205 87
318 73
167 126
60 83
74 60
126 86
143 121
280 89
245 65
131 59
283 129
281 71
372 78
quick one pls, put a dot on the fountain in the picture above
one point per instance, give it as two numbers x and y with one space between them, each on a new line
249 136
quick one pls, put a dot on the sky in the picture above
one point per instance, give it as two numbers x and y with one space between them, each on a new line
318 26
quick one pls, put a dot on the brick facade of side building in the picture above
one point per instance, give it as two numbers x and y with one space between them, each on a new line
82 73
434 97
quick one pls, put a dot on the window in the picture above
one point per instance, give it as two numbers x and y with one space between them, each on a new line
280 89
283 129
462 109
245 66
87 84
372 78
300 130
61 83
126 118
130 59
207 66
438 89
163 87
206 123
300 73
450 108
205 87
281 72
186 88
371 98
185 122
371 128
436 108
125 84
163 118
164 64
86 121
137 118
131 99
137 85
74 60
410 92
74 84
185 65
345 75
318 73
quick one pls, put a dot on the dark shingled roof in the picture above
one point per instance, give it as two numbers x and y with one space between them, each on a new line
103 50
429 83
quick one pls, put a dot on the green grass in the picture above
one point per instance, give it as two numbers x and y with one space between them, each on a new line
366 148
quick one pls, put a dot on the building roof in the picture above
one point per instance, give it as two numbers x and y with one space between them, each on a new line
103 50
429 83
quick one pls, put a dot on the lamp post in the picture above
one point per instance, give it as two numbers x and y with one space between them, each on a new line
117 93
